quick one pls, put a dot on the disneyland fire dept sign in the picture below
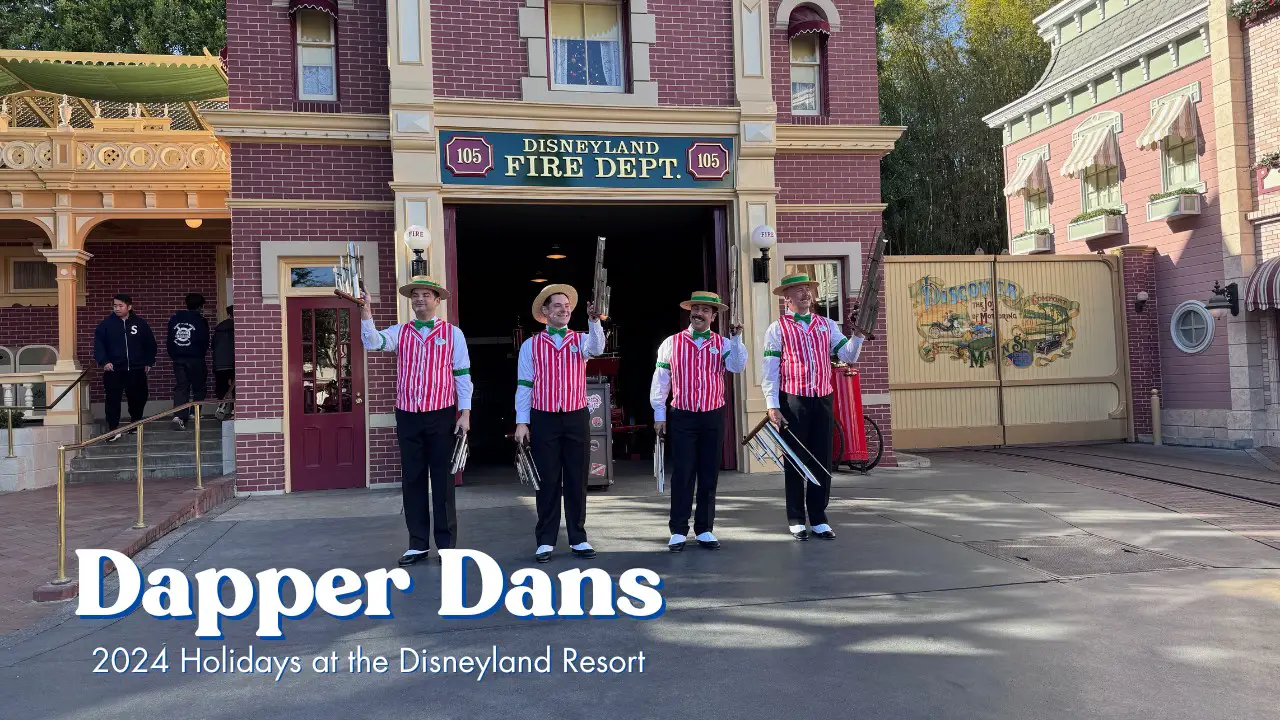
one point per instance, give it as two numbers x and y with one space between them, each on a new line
585 160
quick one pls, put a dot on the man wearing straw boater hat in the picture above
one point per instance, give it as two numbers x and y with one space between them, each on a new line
433 405
552 415
797 391
691 366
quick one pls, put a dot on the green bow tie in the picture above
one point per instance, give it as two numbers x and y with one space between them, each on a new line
802 318
704 335
557 331
419 324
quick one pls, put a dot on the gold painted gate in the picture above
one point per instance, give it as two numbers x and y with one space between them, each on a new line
1006 350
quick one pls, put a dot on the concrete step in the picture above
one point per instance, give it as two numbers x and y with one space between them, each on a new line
211 470
179 443
149 459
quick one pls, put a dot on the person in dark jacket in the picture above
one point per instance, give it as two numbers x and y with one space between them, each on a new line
224 355
125 349
188 345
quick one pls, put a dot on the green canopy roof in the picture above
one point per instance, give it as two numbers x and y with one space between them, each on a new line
123 78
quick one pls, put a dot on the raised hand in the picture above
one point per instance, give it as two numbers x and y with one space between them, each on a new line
592 313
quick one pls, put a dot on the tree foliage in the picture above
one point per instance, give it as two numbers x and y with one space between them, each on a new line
944 64
169 27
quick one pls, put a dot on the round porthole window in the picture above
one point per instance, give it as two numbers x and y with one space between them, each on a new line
1191 327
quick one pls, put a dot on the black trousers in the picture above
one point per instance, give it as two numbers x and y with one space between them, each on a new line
426 449
558 441
222 382
695 439
119 383
810 420
190 382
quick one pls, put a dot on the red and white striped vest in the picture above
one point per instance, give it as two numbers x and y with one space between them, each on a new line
697 373
806 357
559 373
424 369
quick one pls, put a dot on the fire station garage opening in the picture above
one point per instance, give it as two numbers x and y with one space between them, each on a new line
655 257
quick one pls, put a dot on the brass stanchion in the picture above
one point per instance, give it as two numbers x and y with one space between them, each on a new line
140 525
199 476
62 578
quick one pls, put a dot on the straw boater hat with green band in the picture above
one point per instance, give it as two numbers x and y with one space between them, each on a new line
422 281
794 280
548 291
703 297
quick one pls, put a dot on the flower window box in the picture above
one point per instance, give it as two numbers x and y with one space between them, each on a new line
1095 227
1174 206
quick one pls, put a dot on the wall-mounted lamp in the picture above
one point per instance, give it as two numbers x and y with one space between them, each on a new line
1140 300
194 223
417 239
1223 300
762 238
556 253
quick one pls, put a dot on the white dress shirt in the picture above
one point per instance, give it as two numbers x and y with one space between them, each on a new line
593 346
389 340
849 349
735 361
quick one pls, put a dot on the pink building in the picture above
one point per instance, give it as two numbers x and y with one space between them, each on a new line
1128 144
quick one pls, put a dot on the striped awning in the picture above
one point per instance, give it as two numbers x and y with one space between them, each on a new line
324 6
1031 176
1174 118
1263 289
1096 148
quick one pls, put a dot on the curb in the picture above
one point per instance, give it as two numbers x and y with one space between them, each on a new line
187 506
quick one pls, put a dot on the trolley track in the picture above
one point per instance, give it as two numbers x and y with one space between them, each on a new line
1253 490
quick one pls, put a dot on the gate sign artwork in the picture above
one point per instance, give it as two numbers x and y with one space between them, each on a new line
598 161
959 322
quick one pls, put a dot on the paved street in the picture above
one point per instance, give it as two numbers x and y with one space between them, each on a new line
909 613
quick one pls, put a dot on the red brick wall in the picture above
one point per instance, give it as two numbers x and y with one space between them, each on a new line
693 59
260 459
808 179
477 50
312 172
1189 250
840 228
851 95
1144 331
260 58
1261 58
28 326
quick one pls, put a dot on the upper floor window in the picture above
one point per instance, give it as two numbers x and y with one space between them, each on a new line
807 30
1036 210
1101 188
1181 163
27 275
586 45
317 56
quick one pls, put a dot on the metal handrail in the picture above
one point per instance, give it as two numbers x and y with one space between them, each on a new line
45 407
62 578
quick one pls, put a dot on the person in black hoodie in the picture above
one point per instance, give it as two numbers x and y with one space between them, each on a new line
188 344
125 349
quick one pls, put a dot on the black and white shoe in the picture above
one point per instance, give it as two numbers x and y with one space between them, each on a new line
413 556
543 553
583 550
824 531
676 544
799 532
708 541
115 437
178 423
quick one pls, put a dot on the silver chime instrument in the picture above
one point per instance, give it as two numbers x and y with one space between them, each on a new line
348 275
767 442
600 291
735 304
461 451
526 468
660 462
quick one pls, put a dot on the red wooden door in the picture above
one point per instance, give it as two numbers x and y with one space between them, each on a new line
326 395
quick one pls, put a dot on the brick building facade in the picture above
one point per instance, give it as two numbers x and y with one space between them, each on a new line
1132 143
350 121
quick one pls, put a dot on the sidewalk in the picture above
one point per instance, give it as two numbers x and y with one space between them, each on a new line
99 515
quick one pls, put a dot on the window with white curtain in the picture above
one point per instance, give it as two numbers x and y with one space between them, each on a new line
586 45
1181 162
1036 213
317 57
1101 188
806 74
